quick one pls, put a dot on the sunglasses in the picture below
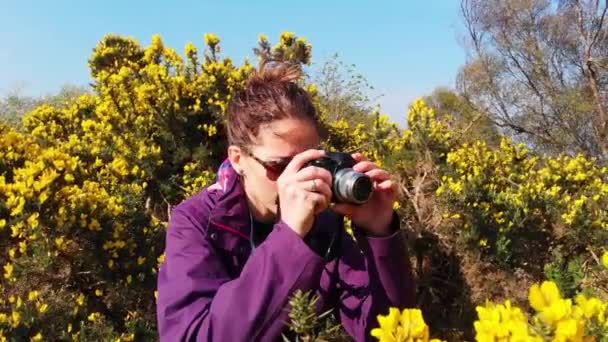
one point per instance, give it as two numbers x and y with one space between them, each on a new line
273 167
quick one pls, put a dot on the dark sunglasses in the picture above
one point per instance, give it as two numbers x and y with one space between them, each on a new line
275 167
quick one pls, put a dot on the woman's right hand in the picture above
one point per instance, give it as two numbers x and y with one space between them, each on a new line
303 192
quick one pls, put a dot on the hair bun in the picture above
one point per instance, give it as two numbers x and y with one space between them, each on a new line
272 73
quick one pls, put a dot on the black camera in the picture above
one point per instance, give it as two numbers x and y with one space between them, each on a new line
349 186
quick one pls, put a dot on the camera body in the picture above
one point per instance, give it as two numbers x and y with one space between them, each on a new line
349 186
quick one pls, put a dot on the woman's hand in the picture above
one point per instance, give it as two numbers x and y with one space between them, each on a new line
303 192
375 216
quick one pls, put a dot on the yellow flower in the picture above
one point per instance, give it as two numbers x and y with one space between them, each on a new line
94 225
211 39
605 259
59 164
389 329
8 271
2 223
38 337
552 309
15 319
17 203
312 89
589 306
569 330
414 325
502 323
161 258
98 292
22 246
32 295
190 50
95 316
68 177
59 242
287 38
80 300
544 295
32 221
557 311
407 325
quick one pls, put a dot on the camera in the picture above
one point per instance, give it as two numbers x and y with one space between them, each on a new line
349 186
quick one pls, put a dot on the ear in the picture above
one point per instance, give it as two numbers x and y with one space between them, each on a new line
234 155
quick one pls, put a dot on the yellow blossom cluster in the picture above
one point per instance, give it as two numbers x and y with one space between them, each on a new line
555 319
405 325
505 190
85 189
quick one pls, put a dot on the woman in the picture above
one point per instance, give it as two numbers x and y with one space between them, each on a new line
239 249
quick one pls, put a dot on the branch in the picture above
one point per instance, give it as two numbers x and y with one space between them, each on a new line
601 23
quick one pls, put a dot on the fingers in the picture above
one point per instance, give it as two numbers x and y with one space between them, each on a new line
313 172
318 202
364 166
387 185
359 157
319 186
300 159
378 175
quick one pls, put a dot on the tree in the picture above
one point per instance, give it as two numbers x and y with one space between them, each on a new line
14 105
539 68
343 93
467 118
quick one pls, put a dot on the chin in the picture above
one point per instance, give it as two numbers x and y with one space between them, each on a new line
273 209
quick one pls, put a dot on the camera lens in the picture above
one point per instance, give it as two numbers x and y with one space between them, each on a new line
362 189
352 187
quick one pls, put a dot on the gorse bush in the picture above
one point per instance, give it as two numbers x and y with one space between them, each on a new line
86 191
553 318
512 200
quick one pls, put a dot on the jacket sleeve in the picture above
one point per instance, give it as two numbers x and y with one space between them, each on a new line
197 300
374 274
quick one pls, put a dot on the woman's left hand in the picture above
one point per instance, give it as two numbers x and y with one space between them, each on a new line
375 216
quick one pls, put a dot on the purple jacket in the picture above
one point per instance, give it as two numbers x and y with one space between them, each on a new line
211 288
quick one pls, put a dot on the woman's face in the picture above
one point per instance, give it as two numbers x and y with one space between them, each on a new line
263 161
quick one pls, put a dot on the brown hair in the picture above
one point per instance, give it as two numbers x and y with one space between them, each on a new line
271 94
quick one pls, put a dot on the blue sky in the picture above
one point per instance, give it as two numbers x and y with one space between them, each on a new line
404 48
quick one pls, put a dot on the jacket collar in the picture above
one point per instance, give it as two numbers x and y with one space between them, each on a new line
231 210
